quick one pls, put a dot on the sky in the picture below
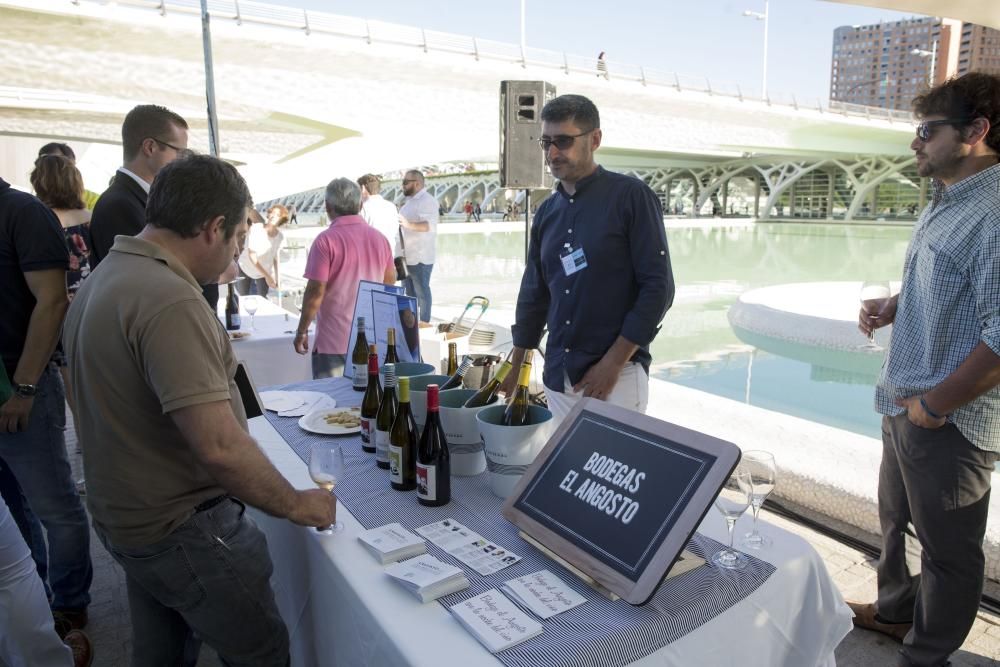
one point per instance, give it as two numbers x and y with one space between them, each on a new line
709 38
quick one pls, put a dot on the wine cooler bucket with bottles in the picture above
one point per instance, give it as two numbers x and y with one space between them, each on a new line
418 396
408 369
511 449
462 431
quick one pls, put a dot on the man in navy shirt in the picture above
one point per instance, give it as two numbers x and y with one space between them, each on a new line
598 271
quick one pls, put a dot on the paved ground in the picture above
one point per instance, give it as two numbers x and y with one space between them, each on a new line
854 573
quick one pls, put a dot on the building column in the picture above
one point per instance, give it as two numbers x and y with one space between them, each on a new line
725 199
791 200
756 196
666 196
831 179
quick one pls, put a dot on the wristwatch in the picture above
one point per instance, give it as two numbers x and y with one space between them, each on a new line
24 390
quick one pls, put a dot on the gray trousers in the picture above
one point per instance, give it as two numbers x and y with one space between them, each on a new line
211 576
933 498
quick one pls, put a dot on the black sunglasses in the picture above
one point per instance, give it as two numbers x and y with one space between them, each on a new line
560 141
925 129
183 152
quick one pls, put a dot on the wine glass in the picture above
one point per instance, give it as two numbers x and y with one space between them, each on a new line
760 465
250 304
872 291
732 501
326 467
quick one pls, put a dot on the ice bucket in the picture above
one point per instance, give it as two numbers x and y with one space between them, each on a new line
418 397
462 432
406 369
511 449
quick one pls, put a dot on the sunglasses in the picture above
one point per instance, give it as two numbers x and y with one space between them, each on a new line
560 141
925 129
181 152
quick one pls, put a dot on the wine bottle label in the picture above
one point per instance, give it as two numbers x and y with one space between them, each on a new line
396 464
360 380
427 482
234 320
366 430
381 446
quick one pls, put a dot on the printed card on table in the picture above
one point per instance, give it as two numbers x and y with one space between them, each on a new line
543 593
495 621
469 547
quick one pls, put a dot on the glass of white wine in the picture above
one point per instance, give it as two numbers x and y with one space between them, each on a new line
732 501
326 467
251 304
873 291
763 473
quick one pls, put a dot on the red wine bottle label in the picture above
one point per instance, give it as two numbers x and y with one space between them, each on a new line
396 464
366 430
426 482
382 446
360 380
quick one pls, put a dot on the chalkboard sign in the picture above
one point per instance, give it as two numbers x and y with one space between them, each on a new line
618 494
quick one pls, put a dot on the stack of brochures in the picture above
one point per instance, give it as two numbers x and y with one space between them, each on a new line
495 621
427 577
392 542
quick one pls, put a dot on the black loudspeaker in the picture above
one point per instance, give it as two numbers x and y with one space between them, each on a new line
522 161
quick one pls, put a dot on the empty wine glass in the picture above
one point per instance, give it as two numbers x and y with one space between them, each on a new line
732 502
873 291
326 467
251 304
760 465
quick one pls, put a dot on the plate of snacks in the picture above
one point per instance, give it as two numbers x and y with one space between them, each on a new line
342 421
239 335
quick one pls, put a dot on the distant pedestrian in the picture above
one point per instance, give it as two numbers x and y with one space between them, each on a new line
477 212
468 210
602 66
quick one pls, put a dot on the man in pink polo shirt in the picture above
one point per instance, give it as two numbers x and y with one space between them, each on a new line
347 252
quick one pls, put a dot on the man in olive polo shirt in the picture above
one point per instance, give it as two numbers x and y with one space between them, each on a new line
164 433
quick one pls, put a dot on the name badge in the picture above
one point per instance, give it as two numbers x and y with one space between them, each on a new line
573 260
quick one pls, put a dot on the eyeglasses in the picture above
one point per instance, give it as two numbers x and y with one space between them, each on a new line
560 141
183 152
925 129
410 180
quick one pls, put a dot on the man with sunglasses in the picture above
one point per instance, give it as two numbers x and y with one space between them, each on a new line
938 389
598 271
152 137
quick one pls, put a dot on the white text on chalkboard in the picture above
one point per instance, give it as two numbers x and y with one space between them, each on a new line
604 498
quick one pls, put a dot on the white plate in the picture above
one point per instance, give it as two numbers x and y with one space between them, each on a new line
314 422
279 401
312 401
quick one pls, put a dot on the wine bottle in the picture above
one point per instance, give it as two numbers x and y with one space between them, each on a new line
517 410
370 403
232 309
433 458
391 356
452 358
455 381
486 395
403 442
359 358
386 415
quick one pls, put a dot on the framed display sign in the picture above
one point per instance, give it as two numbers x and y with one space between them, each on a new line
618 494
364 307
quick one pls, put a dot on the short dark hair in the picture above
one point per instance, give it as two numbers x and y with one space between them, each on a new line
57 182
147 121
371 183
190 191
974 95
575 108
57 148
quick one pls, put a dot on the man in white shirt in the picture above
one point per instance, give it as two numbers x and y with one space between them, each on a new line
419 219
259 259
378 211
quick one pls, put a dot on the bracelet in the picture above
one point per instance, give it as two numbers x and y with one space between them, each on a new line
933 414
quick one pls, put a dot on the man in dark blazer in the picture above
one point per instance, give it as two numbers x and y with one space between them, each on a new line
152 136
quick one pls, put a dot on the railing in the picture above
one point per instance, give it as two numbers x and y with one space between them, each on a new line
310 22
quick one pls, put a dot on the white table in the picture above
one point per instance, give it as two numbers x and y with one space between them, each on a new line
341 609
268 351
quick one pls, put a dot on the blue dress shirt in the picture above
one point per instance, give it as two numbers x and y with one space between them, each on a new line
625 289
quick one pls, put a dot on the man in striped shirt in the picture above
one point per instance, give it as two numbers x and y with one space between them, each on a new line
938 390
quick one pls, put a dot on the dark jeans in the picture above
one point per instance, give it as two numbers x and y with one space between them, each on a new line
327 365
418 284
933 498
211 576
27 524
37 457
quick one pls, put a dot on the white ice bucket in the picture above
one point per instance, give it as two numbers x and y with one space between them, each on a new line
462 432
418 397
511 449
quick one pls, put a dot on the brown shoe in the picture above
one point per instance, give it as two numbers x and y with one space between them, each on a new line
79 643
76 619
864 617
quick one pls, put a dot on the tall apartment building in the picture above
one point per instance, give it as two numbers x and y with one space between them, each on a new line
887 64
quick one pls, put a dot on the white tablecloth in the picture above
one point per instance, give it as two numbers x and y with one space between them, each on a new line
341 609
268 351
